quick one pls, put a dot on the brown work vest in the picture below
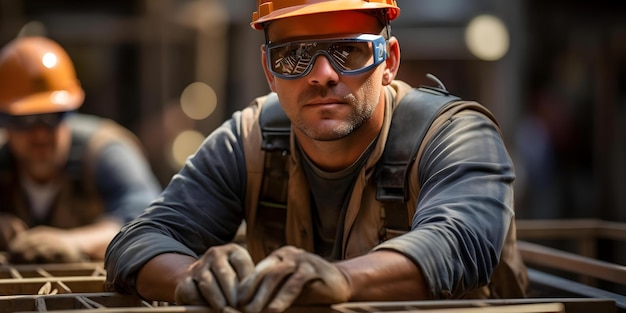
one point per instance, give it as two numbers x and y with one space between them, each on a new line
364 225
78 202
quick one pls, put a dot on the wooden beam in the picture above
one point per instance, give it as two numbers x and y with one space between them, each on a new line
570 305
570 229
169 309
542 284
18 303
538 255
32 286
44 270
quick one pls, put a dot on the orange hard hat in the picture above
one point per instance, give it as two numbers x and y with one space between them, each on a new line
37 76
269 10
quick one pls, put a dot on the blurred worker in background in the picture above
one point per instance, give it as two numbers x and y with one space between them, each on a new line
323 236
68 181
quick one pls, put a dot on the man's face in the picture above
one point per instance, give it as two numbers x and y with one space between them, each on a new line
325 104
41 149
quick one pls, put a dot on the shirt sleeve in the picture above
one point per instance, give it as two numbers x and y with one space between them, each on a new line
125 180
199 208
464 208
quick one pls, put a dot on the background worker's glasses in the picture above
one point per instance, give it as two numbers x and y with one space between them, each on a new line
26 122
348 56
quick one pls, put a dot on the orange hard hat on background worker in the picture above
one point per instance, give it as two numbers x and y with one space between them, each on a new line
37 76
269 10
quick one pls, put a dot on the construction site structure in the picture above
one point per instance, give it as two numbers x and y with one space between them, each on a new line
560 281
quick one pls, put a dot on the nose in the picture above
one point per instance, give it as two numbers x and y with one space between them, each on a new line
322 72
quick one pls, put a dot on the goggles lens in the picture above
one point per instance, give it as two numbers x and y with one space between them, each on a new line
348 56
26 122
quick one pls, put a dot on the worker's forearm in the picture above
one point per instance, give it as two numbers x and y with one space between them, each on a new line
93 239
157 279
384 276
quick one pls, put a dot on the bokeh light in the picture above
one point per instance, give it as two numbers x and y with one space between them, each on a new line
49 60
487 37
198 100
185 144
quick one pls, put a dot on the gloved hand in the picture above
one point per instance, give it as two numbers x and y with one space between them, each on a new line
10 226
43 244
214 278
292 276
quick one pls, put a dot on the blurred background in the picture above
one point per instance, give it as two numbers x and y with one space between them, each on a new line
553 72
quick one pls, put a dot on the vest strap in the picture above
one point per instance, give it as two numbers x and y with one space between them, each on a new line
275 125
412 118
275 131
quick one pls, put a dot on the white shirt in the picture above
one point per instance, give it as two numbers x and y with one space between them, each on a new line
40 195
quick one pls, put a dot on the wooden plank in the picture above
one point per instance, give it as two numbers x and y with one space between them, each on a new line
538 255
570 229
361 307
31 286
18 303
44 270
113 303
522 308
570 305
557 229
567 288
513 308
612 230
585 232
169 309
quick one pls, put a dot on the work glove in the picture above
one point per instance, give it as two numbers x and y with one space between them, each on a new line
292 276
214 278
44 244
10 226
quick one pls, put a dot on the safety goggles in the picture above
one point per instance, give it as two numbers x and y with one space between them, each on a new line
348 56
26 122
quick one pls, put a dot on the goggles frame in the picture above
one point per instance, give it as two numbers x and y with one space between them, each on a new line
378 49
28 122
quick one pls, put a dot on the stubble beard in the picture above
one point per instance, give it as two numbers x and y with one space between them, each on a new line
357 117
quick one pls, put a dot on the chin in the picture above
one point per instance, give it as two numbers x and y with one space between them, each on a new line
42 172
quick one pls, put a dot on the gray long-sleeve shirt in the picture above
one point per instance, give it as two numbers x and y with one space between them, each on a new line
462 216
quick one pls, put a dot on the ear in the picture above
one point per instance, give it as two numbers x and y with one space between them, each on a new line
268 76
393 61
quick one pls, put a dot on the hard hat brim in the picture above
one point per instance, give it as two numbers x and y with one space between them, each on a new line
47 102
322 7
